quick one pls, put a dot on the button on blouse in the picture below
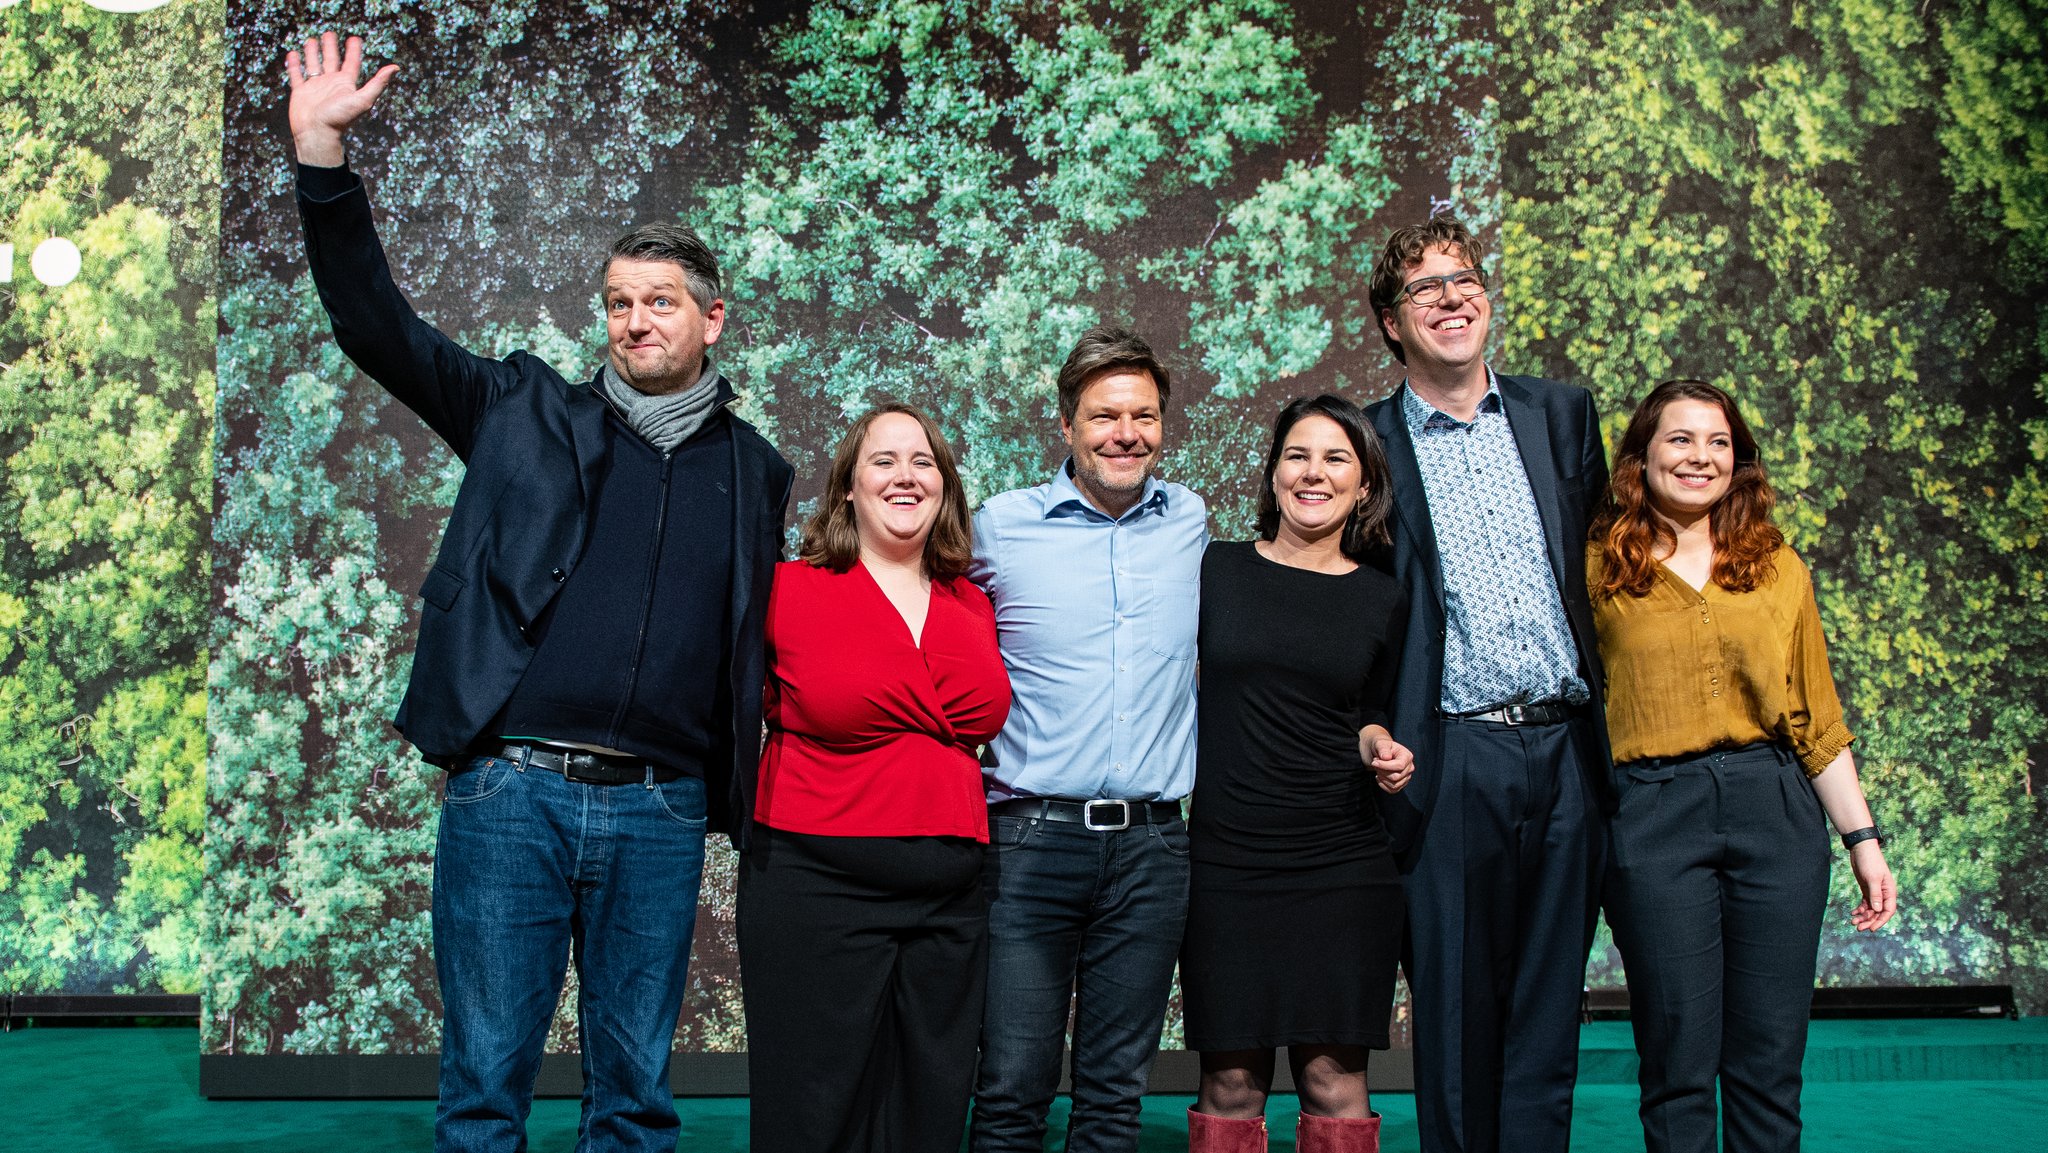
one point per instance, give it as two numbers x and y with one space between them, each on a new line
1690 670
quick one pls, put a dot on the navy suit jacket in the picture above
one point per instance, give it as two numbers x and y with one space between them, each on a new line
1558 433
533 444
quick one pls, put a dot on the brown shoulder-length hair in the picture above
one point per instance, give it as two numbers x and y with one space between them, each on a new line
832 539
1745 540
1367 525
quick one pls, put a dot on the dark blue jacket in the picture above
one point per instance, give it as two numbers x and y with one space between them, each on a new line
1558 433
532 443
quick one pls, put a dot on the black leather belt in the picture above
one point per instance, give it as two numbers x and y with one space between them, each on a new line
1101 816
583 765
1539 713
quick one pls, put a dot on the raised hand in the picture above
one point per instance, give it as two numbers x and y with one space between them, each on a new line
326 97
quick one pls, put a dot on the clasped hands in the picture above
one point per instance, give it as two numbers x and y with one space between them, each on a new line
1390 761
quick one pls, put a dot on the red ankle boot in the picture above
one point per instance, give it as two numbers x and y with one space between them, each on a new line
1208 1134
1337 1134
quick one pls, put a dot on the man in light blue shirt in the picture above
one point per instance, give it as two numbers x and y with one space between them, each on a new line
1095 577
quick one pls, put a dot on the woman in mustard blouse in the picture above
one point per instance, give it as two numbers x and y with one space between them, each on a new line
1729 745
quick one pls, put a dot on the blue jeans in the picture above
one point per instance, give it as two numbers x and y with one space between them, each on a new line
530 869
1085 919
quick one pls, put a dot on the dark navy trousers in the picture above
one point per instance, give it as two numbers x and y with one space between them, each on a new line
1502 895
1715 891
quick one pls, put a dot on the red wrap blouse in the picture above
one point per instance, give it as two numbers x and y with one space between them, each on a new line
871 733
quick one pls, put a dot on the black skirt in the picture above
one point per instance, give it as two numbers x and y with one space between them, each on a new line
1277 956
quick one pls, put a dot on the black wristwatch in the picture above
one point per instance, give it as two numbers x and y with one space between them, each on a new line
1856 837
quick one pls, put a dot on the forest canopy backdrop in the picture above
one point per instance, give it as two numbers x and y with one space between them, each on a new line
1836 209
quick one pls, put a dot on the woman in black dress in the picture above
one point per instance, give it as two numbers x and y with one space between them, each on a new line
1295 912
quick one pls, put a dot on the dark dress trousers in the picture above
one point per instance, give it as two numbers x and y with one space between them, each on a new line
1500 835
533 444
863 935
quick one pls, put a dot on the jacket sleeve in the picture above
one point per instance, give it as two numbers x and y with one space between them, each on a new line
448 386
788 475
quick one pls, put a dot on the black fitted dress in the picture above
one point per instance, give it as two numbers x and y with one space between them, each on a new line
1295 910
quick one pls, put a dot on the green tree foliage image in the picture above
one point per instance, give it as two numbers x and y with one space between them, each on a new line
923 200
106 408
1833 209
1837 212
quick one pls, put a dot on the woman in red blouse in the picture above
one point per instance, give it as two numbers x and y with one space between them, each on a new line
862 930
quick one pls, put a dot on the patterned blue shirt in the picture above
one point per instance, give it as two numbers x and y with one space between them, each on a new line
1506 638
1096 617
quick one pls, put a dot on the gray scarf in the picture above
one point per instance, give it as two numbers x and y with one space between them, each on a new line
663 421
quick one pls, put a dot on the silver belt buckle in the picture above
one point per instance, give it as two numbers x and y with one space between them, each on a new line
1088 822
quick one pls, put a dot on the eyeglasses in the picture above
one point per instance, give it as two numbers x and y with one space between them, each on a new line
1429 290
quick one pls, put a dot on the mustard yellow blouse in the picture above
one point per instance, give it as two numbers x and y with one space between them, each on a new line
1689 671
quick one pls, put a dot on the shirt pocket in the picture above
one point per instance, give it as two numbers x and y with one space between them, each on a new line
1169 614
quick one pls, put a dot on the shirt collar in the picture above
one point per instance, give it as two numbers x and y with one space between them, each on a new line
1063 492
1421 414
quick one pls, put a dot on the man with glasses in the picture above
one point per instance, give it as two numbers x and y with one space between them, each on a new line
1500 837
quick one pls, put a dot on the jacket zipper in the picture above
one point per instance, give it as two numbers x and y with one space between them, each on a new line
646 600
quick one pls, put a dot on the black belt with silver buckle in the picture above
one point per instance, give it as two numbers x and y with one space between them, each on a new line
1100 816
1539 713
583 765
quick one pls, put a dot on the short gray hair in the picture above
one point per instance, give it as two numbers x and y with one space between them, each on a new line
673 244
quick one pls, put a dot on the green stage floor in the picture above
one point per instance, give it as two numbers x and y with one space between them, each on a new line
1873 1087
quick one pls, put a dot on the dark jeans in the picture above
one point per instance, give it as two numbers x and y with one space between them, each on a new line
1501 904
863 961
1085 919
529 869
1715 891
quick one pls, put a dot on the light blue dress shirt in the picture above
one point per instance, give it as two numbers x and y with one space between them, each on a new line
1506 639
1096 617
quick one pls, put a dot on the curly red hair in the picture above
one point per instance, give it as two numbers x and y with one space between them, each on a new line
1634 536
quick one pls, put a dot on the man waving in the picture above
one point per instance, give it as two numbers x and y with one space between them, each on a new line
589 661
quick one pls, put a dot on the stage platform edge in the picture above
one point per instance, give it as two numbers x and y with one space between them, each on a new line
247 1076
